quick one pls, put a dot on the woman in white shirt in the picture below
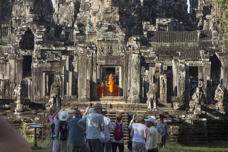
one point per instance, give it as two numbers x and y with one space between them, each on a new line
138 133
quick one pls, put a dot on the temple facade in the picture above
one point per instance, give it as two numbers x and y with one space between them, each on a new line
82 50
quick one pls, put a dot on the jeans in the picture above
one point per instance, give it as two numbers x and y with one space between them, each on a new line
163 141
59 146
107 146
95 145
138 147
119 145
72 148
153 150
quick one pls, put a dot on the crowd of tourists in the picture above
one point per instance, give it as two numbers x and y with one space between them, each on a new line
90 132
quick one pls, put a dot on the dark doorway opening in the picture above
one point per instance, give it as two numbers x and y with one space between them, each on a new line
215 68
109 83
193 76
26 64
49 80
27 41
169 84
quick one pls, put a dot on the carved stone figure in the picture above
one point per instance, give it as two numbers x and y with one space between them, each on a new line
219 98
17 93
197 100
151 96
55 100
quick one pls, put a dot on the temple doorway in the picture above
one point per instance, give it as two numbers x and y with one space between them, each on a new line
109 83
193 76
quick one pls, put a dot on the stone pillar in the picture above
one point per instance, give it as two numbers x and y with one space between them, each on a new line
12 68
135 78
206 79
70 82
224 72
19 70
181 81
175 75
94 76
43 84
163 89
83 77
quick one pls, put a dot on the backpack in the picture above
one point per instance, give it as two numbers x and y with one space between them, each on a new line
118 132
63 130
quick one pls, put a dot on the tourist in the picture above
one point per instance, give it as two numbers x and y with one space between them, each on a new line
138 133
94 125
61 132
163 130
118 134
105 134
76 136
11 141
153 137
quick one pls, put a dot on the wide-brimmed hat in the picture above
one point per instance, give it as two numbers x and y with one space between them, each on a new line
63 115
151 119
97 106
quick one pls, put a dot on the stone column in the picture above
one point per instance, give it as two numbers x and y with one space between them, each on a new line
163 89
83 78
94 76
224 72
43 84
12 68
19 70
70 78
206 79
175 75
135 78
181 81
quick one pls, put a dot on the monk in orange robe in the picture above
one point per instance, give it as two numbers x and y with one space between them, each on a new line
111 83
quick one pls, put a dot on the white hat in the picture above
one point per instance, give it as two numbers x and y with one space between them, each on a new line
151 119
63 115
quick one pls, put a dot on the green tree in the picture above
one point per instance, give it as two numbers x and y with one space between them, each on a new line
224 11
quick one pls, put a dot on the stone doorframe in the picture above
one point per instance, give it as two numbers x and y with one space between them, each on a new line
113 61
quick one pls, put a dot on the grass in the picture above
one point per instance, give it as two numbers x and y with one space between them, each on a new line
211 147
221 146
42 144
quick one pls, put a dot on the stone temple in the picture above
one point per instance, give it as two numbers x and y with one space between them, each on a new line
162 55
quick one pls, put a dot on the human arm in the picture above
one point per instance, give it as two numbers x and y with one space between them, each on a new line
82 123
10 140
86 112
131 122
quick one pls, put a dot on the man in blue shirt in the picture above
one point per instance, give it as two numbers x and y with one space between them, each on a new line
76 136
162 128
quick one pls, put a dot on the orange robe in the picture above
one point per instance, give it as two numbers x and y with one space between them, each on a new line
116 90
105 90
99 90
111 83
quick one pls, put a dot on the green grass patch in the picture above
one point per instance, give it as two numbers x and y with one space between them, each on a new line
211 147
43 144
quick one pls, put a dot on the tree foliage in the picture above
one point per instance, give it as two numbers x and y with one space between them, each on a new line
224 7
